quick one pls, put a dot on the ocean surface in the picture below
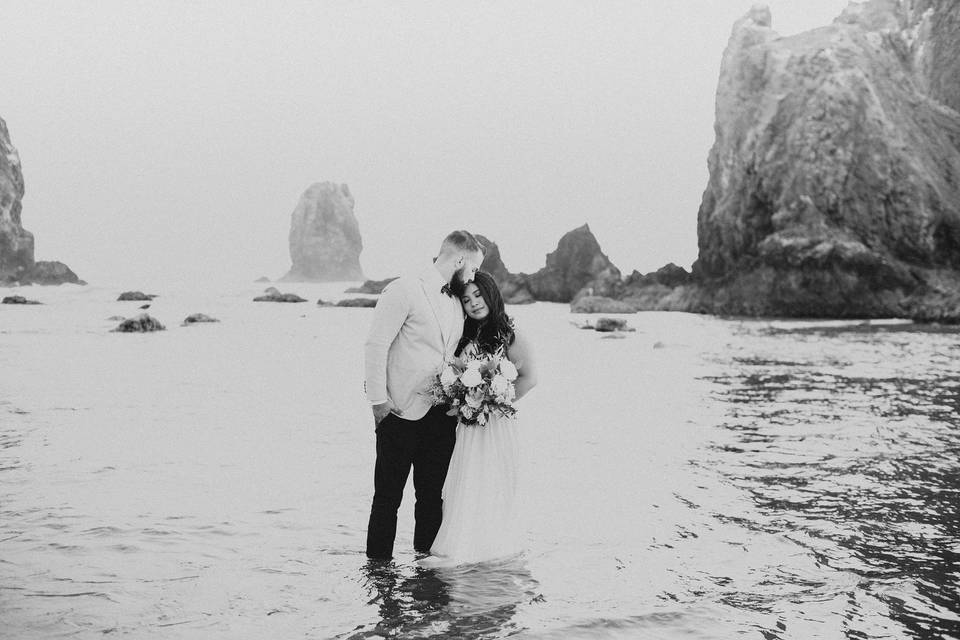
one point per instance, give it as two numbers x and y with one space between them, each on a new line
699 477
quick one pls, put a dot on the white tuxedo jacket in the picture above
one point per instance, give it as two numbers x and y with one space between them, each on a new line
415 330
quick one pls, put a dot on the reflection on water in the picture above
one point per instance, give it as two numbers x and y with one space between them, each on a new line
471 601
863 471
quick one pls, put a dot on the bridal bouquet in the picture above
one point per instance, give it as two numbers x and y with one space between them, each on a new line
476 388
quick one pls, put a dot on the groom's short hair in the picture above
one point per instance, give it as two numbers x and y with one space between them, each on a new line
461 240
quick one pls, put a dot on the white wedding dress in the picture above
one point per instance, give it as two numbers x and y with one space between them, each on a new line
480 511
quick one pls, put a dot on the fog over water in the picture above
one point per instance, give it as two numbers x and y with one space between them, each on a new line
175 138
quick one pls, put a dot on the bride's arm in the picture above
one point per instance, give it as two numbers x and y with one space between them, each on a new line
521 354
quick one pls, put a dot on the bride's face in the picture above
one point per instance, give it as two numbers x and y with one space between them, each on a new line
473 303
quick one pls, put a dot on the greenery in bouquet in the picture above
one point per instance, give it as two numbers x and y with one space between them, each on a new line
476 388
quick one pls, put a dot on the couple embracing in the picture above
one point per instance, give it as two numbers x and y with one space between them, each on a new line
464 476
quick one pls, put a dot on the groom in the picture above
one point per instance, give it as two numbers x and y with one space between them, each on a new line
416 327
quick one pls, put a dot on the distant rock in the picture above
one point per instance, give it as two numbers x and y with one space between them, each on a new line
358 302
272 294
516 291
601 304
325 239
195 318
137 296
325 303
117 318
834 186
19 300
578 263
371 286
492 262
513 287
46 272
142 323
17 263
669 275
145 306
262 279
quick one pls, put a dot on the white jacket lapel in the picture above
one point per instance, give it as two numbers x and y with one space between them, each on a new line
436 312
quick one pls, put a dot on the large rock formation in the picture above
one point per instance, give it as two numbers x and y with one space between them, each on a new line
492 262
513 287
577 265
834 183
325 240
17 264
16 243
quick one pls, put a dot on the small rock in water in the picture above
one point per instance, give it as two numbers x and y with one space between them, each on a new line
324 303
142 323
272 294
136 295
358 302
198 317
658 345
117 318
145 306
612 324
19 300
262 279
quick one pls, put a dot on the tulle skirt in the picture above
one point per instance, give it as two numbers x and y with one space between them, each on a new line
480 496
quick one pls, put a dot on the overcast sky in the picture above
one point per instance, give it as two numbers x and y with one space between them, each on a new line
176 137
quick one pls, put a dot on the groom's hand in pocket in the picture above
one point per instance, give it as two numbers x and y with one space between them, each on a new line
382 410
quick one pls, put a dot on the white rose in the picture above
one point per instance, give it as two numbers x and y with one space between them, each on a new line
508 370
499 385
471 377
448 376
474 364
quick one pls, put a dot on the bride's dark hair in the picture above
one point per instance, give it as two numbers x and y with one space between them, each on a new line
494 330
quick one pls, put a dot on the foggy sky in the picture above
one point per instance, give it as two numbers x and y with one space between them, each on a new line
175 138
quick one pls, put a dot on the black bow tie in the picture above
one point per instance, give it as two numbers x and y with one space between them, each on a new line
446 289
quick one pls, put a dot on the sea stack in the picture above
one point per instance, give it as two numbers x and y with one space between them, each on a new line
577 266
513 287
325 239
16 243
17 264
834 184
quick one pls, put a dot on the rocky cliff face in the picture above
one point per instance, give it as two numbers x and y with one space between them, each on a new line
16 243
325 240
513 287
834 183
492 262
578 263
17 264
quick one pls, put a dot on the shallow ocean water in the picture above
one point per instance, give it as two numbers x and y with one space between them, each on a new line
700 477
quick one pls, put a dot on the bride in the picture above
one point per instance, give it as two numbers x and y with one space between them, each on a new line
480 492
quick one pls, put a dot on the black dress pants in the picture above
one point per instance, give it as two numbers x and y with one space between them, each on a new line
426 445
